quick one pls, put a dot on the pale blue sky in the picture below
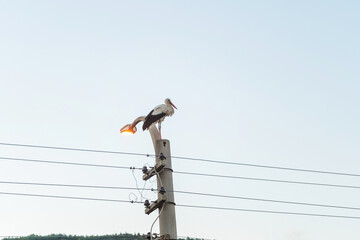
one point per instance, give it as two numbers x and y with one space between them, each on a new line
262 82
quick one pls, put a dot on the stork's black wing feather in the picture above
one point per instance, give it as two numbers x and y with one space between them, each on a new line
150 119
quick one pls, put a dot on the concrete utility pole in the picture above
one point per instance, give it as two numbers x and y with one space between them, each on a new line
167 218
163 170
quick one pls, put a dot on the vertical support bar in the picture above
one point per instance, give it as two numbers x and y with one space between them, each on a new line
167 219
154 133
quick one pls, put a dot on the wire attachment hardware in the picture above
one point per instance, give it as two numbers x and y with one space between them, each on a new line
162 156
162 191
145 170
156 204
158 167
164 237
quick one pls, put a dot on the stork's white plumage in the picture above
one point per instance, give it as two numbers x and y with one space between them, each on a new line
158 114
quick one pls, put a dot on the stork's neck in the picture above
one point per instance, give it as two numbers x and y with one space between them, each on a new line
169 105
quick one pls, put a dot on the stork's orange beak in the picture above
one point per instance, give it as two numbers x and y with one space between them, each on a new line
173 105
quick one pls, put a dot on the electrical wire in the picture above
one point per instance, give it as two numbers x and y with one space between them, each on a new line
181 192
266 166
266 211
181 205
179 237
137 187
68 185
151 181
267 180
68 197
132 194
179 172
184 158
66 163
152 225
74 149
158 177
266 200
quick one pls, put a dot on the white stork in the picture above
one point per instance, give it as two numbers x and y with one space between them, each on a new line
158 114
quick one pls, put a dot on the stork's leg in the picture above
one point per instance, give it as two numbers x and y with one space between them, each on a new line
160 130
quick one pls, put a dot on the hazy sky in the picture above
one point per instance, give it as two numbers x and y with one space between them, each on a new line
260 82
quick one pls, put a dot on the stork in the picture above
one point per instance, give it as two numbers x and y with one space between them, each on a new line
158 114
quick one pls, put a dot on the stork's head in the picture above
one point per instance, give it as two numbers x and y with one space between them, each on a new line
168 102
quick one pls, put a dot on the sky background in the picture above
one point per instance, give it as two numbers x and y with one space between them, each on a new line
260 82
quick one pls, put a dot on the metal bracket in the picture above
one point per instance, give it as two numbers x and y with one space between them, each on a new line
156 204
164 237
158 167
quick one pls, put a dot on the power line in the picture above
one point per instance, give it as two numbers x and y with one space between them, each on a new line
67 163
181 172
181 192
69 185
74 149
180 205
266 211
184 158
68 197
266 179
55 236
267 200
267 166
